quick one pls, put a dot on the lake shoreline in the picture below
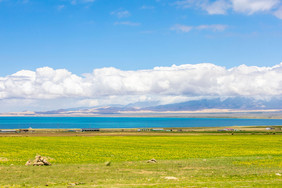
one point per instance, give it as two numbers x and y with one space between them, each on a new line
180 131
208 113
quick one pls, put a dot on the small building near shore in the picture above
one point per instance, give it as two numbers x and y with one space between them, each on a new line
228 129
8 131
89 129
24 130
71 130
29 130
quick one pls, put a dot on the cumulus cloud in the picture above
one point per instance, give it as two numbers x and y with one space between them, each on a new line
111 83
212 7
222 6
278 13
121 13
60 7
182 28
217 7
186 28
252 6
47 88
74 2
145 7
128 23
44 83
215 27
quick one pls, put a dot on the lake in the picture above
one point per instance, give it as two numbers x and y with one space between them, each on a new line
127 122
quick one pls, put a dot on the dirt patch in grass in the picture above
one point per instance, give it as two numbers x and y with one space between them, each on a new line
143 172
195 168
3 159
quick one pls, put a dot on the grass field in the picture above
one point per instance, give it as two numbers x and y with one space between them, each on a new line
201 160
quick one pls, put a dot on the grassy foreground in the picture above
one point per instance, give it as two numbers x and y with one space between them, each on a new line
183 161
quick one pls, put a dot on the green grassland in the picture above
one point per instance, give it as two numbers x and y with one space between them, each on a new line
192 160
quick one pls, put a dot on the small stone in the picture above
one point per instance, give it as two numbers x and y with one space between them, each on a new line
46 162
28 163
171 178
278 174
152 161
38 164
38 161
37 157
108 163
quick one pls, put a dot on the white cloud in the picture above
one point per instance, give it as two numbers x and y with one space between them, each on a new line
181 28
252 6
222 6
44 83
127 23
60 7
215 27
212 7
178 81
278 13
145 7
187 3
74 2
47 89
186 28
217 7
121 13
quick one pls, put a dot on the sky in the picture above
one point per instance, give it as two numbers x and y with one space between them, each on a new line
70 53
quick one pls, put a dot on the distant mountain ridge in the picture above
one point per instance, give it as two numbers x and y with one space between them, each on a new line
233 104
236 103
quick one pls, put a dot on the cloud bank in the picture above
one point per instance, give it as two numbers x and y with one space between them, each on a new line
187 28
241 6
121 13
183 81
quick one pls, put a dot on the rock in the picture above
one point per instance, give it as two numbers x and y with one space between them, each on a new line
38 164
38 161
38 158
76 183
46 162
171 178
152 161
28 163
108 163
278 174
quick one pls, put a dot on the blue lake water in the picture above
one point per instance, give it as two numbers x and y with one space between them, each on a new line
127 122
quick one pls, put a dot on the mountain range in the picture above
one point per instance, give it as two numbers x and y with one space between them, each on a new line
235 104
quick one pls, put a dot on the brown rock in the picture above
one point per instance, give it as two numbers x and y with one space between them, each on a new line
38 164
152 161
37 157
28 163
38 161
46 162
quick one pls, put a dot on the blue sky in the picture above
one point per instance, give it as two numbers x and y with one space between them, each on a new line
131 35
85 35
